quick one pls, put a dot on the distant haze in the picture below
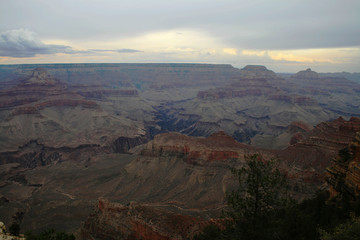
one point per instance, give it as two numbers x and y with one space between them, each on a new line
285 36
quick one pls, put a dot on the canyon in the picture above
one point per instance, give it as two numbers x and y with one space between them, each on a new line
145 150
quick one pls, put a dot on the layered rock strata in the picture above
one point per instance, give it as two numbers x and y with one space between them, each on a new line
140 221
344 174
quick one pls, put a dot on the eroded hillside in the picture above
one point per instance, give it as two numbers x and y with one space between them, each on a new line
157 139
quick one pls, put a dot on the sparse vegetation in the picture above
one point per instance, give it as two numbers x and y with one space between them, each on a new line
261 209
49 235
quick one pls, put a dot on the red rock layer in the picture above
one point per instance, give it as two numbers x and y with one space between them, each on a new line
217 147
313 151
344 174
140 221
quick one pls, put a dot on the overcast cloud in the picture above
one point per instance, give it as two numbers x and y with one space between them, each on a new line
233 31
24 43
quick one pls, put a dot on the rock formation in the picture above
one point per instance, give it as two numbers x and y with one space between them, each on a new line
307 74
172 176
54 113
336 94
250 108
64 132
140 221
312 152
344 174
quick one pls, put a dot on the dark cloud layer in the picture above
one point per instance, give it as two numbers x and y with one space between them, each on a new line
24 43
124 50
295 29
254 24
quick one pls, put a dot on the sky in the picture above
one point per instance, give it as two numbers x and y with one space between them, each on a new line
283 35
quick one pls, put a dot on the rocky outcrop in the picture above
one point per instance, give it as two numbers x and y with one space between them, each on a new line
140 221
217 147
312 151
344 173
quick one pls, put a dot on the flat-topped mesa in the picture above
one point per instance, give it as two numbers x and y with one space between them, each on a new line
256 71
307 74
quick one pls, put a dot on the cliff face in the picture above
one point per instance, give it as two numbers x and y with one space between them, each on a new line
217 147
312 151
344 174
